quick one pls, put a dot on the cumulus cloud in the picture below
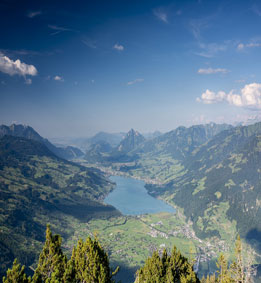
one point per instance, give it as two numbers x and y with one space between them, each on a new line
135 81
118 47
210 71
34 14
210 97
58 78
249 97
162 16
17 67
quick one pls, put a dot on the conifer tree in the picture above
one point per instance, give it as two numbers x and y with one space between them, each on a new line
89 263
237 266
209 279
16 274
241 269
52 261
224 273
167 269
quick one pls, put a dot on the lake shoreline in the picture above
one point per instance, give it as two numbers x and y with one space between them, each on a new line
131 197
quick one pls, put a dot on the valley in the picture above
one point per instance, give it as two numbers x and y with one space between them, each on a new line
198 171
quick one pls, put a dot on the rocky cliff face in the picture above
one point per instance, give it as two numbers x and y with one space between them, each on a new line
131 141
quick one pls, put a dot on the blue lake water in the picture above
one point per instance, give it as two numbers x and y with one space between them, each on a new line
131 198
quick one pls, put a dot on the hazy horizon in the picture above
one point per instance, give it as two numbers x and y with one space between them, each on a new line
72 69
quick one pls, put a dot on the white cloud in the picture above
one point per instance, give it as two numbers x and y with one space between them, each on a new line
210 71
17 67
210 97
118 47
34 14
249 97
162 16
135 81
58 78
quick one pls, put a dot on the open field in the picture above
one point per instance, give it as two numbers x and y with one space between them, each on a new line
130 240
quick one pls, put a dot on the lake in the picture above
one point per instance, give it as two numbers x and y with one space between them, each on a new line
131 198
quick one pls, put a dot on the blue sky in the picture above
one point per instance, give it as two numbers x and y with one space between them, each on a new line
73 68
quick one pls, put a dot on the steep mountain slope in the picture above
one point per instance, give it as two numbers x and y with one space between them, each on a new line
29 133
37 188
98 151
111 138
161 158
103 153
180 142
131 141
222 180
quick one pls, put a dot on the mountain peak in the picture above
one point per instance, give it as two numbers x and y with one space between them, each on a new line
133 132
131 141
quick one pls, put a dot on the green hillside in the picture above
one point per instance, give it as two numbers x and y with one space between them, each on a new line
38 188
221 182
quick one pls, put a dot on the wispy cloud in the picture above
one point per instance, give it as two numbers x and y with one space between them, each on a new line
33 14
161 15
59 78
210 71
135 81
90 43
210 50
17 67
196 26
59 29
249 97
24 52
252 44
118 47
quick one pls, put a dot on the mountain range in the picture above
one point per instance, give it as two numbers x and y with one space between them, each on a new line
24 131
210 171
